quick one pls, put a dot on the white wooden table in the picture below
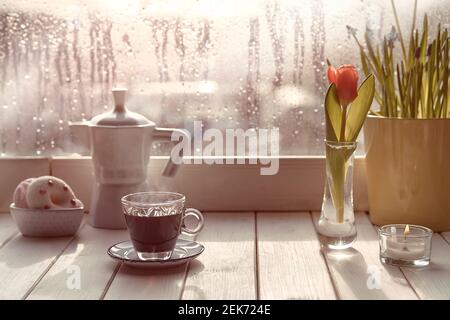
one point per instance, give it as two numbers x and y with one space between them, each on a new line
248 256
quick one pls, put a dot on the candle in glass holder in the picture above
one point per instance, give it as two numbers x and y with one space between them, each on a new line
405 245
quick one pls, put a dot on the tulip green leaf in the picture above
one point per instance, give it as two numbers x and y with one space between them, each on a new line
359 108
333 114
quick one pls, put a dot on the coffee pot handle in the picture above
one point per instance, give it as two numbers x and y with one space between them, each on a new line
165 134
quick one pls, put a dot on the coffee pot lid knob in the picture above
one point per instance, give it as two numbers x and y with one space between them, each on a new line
120 115
119 95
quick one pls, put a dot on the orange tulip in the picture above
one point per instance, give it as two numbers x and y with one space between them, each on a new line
346 80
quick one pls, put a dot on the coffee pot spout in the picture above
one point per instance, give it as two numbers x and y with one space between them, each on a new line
171 169
176 158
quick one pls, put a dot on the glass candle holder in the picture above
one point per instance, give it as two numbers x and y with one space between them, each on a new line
405 245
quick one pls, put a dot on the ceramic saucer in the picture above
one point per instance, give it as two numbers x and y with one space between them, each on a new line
185 251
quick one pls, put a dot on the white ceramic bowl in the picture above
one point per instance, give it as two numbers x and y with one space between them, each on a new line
47 222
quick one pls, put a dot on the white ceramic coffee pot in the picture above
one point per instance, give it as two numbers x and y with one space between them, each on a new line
120 142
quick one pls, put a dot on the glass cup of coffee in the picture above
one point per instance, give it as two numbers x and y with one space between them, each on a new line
155 220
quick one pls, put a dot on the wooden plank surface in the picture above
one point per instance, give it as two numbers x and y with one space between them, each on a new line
7 228
290 265
86 257
358 273
226 270
141 284
433 282
24 260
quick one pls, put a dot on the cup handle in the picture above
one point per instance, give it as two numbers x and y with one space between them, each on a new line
192 212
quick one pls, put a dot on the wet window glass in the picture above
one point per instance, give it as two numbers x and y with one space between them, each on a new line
230 64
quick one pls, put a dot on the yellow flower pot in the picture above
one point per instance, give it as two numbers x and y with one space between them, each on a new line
408 171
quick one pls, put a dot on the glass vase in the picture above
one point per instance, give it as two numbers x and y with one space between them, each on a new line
336 226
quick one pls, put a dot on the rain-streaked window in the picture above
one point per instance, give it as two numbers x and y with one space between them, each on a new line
230 64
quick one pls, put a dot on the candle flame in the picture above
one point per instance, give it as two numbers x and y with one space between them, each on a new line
406 232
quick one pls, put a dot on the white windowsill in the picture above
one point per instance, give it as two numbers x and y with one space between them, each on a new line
298 186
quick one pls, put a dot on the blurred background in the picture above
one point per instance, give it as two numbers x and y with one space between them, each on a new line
230 64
